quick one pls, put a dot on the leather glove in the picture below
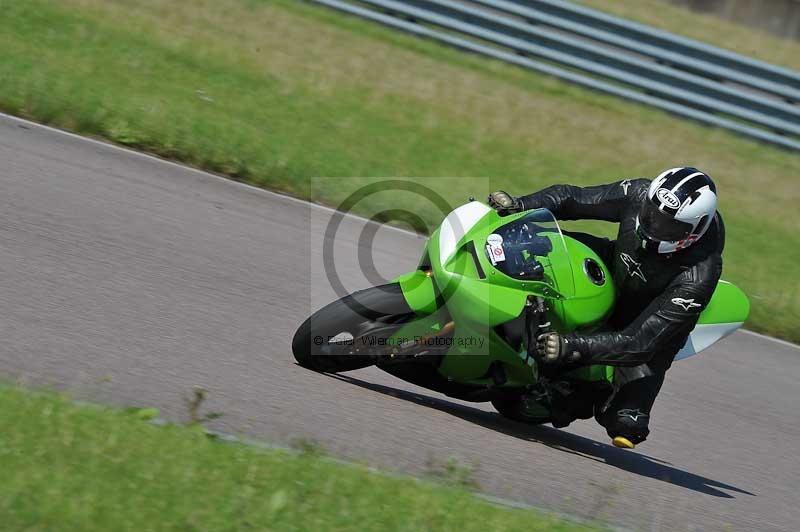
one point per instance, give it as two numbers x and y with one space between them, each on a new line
504 203
554 348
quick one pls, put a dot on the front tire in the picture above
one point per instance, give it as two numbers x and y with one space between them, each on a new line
328 341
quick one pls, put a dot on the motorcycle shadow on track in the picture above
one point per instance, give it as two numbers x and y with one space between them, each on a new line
632 462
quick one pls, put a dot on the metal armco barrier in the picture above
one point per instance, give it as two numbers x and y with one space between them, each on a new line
609 54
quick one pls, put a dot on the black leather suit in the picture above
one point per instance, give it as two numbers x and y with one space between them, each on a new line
659 296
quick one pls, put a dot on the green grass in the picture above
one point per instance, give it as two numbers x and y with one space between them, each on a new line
68 467
275 93
705 27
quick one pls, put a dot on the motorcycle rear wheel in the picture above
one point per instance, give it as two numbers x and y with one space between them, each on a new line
514 408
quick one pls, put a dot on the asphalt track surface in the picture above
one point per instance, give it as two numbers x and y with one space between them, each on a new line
128 280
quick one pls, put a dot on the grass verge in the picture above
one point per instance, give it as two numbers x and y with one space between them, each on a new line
277 92
68 467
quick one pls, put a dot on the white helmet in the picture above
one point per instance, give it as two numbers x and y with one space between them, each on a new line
678 210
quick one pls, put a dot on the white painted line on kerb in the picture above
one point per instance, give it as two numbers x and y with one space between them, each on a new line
265 191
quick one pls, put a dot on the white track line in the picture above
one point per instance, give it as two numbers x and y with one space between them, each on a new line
265 191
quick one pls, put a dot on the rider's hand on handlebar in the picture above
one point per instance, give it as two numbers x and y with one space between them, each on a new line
504 203
553 348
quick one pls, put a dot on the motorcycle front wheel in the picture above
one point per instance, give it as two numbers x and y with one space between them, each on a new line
342 336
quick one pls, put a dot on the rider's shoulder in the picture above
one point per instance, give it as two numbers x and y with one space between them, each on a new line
635 188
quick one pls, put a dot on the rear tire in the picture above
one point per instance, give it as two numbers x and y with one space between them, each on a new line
514 408
377 311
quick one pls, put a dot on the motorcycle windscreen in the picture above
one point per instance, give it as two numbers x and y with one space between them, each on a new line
532 248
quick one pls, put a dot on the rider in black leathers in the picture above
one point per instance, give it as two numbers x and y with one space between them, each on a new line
659 295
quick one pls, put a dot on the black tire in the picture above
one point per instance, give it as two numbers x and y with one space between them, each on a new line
513 408
376 311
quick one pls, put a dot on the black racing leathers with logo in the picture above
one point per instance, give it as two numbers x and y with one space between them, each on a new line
659 296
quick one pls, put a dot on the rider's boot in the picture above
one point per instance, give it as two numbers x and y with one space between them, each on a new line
627 415
626 427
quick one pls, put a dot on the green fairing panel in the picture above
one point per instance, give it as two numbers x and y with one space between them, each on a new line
728 305
419 291
591 302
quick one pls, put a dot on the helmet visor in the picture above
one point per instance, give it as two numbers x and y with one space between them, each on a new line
661 226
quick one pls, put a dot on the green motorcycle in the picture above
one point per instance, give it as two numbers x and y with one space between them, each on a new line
465 322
